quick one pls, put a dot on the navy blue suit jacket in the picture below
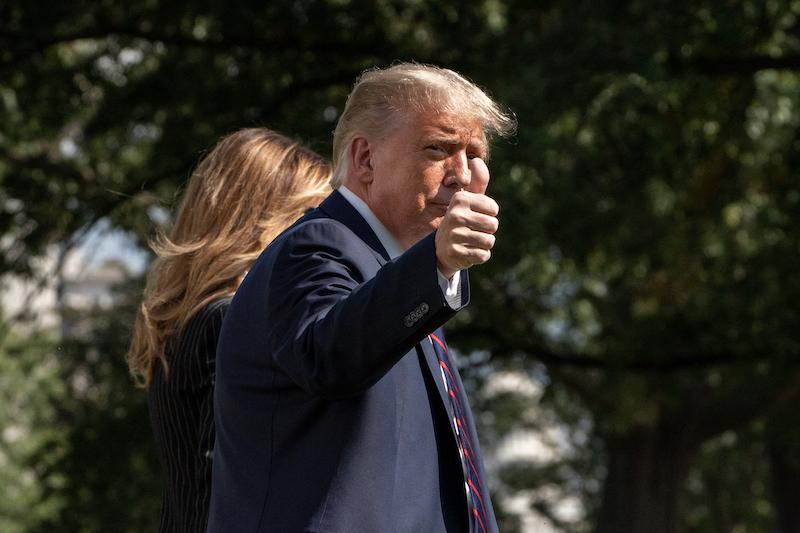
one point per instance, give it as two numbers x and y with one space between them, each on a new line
329 404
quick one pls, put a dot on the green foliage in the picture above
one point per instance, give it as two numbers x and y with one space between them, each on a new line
28 378
731 469
101 470
76 452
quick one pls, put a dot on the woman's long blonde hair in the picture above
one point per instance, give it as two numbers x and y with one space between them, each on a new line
250 187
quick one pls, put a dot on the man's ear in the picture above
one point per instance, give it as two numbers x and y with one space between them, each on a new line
361 160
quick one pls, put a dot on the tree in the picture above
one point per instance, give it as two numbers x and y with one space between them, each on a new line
99 472
651 209
27 379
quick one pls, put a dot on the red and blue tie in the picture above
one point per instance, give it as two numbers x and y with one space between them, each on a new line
473 486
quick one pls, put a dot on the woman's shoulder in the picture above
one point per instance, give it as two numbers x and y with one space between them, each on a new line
191 352
213 311
207 320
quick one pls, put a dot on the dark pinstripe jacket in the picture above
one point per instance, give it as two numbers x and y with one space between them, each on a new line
182 418
329 412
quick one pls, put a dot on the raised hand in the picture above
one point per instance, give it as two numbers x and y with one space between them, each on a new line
466 234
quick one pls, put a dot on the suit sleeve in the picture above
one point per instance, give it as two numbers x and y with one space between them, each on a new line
338 330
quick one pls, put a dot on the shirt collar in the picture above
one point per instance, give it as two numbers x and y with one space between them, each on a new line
388 241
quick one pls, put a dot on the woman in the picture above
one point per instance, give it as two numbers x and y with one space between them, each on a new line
249 188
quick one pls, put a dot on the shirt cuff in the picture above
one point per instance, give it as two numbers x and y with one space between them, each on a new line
451 288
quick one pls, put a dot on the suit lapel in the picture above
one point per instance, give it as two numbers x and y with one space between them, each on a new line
338 208
432 362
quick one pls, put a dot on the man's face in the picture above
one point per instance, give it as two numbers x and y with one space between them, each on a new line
418 168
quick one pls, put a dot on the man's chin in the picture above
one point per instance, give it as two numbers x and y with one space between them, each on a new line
438 209
423 230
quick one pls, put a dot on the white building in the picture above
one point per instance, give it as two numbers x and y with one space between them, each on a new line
36 302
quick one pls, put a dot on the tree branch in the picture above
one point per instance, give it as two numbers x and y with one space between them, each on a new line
42 43
734 66
746 402
23 47
660 363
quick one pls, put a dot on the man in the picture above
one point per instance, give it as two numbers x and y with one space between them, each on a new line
338 407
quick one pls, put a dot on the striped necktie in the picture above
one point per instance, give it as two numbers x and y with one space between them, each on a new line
472 485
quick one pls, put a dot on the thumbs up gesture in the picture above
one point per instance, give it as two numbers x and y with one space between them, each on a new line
466 234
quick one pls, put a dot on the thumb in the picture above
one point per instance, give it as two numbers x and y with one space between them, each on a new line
479 176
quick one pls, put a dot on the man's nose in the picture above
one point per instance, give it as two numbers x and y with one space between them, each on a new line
459 173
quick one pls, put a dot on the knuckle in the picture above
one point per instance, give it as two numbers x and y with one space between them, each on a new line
485 243
475 255
459 217
482 256
460 198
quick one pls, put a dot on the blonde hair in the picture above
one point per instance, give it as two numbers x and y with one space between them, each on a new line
381 96
251 186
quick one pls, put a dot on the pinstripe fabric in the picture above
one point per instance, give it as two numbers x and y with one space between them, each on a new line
182 417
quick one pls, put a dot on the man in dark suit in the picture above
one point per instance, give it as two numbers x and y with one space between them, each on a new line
337 404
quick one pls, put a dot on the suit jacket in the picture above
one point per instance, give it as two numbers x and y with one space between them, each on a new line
330 411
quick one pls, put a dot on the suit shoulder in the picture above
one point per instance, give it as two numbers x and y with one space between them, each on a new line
308 243
214 311
208 319
321 235
320 226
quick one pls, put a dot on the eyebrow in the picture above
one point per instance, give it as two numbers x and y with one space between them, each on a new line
440 138
454 139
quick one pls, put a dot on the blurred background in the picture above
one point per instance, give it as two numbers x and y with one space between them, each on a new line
632 349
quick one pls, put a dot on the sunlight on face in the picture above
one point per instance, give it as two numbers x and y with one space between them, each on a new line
418 168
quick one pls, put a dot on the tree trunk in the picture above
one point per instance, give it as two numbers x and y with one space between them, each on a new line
785 471
642 493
